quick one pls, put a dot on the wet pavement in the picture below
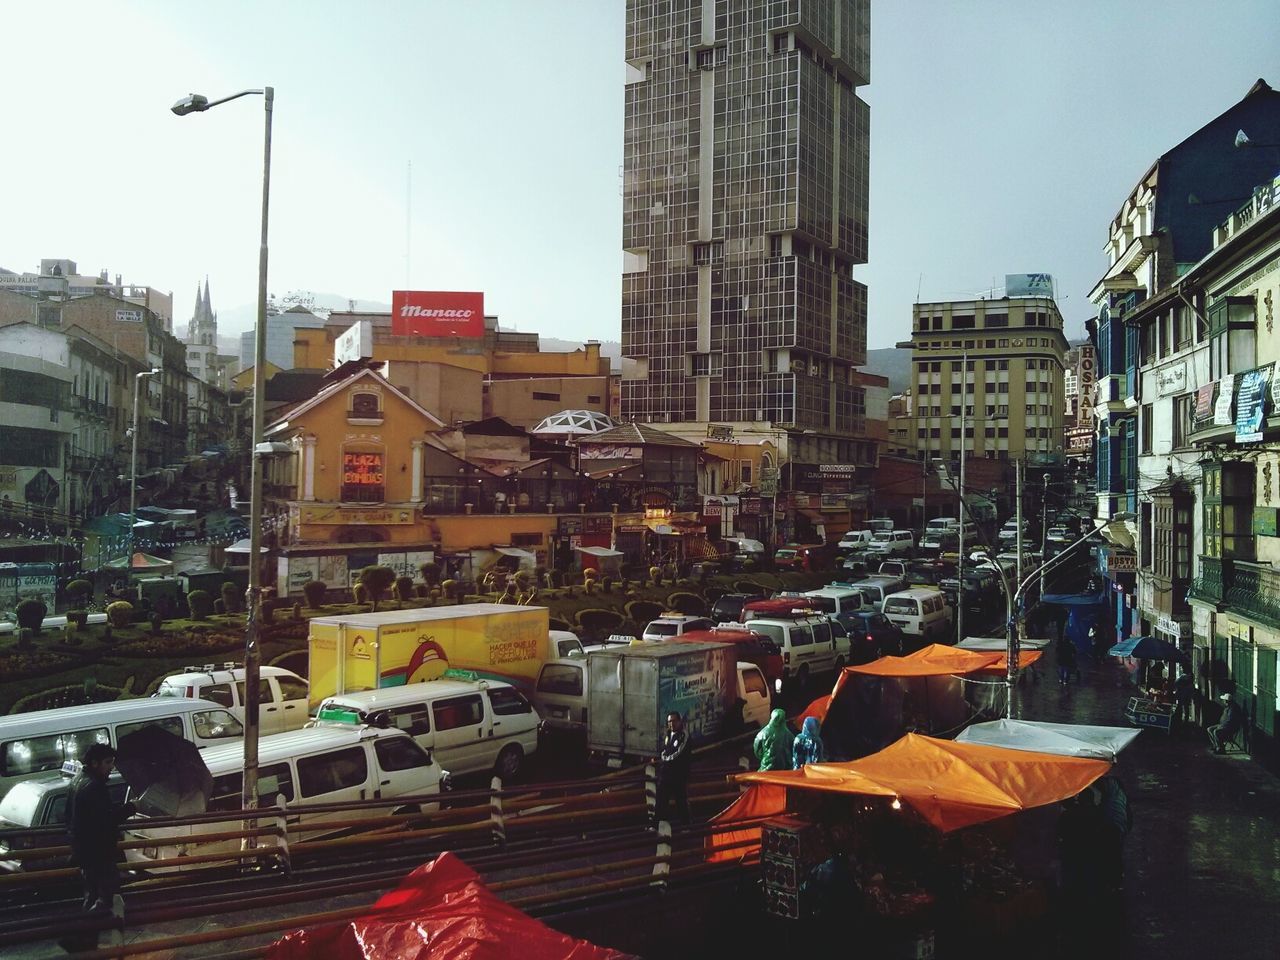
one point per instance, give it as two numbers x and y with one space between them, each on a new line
1202 863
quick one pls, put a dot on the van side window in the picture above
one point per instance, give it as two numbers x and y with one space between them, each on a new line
560 678
226 792
335 770
171 724
49 752
216 725
400 753
509 702
800 635
273 779
821 632
264 691
291 689
219 693
415 720
754 683
457 712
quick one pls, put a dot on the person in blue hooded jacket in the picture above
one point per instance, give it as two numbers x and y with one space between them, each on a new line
807 747
772 745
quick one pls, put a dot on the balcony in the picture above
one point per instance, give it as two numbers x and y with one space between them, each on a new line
1250 590
1210 586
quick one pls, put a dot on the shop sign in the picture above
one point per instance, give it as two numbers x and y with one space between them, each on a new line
632 528
570 526
1264 521
1222 407
337 516
1252 388
433 313
712 508
1206 398
836 469
1173 628
751 506
1171 379
1121 561
597 526
362 469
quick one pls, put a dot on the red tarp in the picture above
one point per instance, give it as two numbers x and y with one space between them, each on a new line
441 911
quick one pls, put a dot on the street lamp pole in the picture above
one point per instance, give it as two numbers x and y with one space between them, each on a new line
133 468
195 103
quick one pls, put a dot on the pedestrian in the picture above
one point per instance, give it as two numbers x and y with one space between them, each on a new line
1231 723
1184 689
93 823
1117 817
772 745
673 771
807 747
1067 660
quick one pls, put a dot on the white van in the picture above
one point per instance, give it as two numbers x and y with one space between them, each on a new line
890 543
470 726
919 612
807 644
328 764
875 589
561 695
38 743
282 694
836 599
854 540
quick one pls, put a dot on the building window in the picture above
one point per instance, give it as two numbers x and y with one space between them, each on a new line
962 322
1227 501
592 398
365 406
706 253
1148 428
526 539
363 475
540 395
1184 408
996 320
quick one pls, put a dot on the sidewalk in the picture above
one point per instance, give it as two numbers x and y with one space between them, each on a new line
1202 865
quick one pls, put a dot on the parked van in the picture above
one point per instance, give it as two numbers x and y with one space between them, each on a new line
282 694
470 726
880 524
805 639
38 743
563 694
854 540
874 590
888 543
920 612
836 599
320 765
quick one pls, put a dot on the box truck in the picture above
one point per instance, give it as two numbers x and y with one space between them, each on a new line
368 651
631 690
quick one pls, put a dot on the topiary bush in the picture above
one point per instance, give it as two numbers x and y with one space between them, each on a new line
430 573
119 615
360 593
157 622
201 604
79 590
598 623
314 591
404 589
79 617
748 586
642 611
219 607
376 581
231 597
687 603
30 613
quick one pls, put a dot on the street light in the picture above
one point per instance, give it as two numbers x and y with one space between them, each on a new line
133 469
196 103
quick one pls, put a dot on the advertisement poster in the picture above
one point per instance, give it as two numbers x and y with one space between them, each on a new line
1252 389
1205 397
694 688
1222 408
433 313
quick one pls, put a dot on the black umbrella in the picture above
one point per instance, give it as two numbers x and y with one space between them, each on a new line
169 770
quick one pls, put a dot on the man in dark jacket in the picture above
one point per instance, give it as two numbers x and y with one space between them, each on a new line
93 823
673 771
1221 733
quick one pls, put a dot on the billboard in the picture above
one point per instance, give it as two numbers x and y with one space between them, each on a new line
433 313
355 344
1028 285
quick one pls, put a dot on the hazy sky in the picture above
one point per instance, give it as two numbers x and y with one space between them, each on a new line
1005 135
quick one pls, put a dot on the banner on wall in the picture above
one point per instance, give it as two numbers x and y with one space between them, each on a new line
1252 388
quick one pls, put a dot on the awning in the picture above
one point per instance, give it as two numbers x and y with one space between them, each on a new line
599 552
243 546
1146 648
1074 599
1000 644
1064 739
516 552
938 660
140 562
950 784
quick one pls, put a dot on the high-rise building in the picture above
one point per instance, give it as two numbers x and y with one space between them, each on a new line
992 371
744 214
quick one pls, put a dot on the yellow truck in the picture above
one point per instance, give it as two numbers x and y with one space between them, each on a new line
367 651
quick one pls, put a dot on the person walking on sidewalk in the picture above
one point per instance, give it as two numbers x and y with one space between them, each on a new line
1184 689
1068 663
93 823
807 746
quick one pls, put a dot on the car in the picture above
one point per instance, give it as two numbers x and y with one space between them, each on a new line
880 637
858 563
672 625
854 540
728 608
42 802
1058 535
804 556
893 568
282 694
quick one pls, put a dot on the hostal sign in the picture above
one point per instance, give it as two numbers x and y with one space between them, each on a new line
362 468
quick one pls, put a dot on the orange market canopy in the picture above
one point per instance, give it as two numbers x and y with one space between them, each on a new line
939 660
950 784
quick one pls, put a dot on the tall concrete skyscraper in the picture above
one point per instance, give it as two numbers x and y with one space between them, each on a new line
744 214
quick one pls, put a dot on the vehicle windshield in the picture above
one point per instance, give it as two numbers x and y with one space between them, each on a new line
662 629
882 536
773 631
900 605
785 554
167 689
825 604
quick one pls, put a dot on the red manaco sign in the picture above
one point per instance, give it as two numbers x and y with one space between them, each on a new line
433 313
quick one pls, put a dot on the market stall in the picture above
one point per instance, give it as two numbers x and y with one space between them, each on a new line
935 690
1064 739
1154 706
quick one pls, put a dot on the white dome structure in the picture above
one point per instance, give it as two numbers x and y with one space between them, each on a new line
574 423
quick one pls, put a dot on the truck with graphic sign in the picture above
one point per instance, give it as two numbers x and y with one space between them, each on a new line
632 689
368 651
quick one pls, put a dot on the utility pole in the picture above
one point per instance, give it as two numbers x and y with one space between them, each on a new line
1017 486
964 420
1044 530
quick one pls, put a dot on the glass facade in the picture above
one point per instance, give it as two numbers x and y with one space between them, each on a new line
745 212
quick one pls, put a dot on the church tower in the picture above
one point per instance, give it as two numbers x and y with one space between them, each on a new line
202 339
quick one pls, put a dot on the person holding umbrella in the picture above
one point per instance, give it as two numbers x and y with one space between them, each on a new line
93 823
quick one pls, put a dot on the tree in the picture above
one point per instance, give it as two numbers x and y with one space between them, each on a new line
231 595
200 604
120 614
78 590
377 581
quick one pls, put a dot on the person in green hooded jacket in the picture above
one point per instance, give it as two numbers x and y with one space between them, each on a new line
773 743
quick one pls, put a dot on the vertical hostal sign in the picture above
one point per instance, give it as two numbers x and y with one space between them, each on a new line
434 313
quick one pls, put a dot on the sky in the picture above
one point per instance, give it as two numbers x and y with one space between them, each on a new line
440 145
